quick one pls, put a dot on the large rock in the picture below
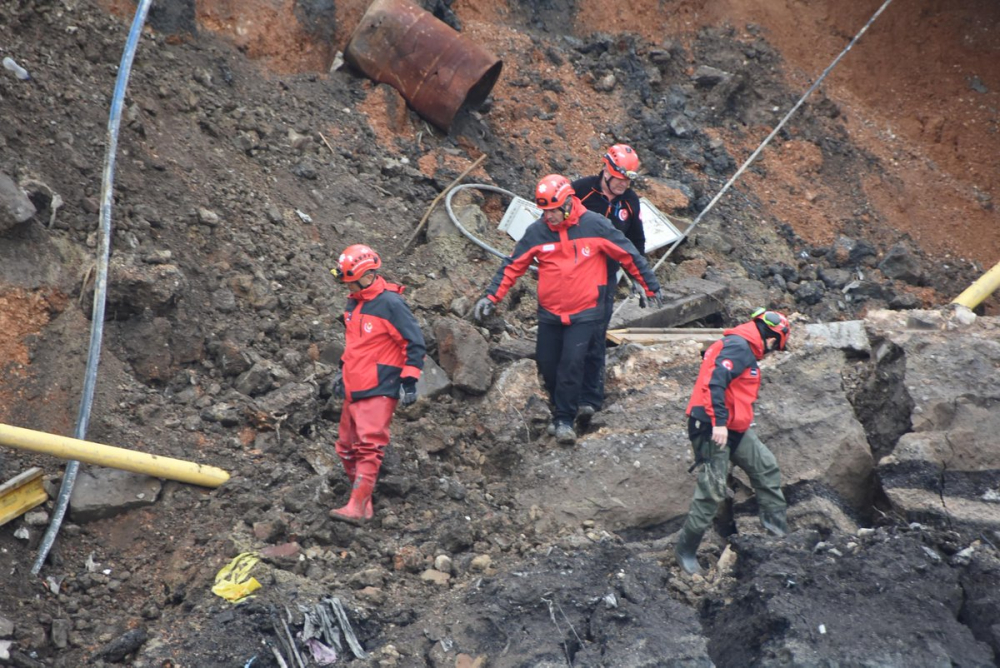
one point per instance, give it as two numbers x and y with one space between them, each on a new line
134 287
900 263
15 207
433 380
632 470
464 355
518 406
946 467
100 493
805 418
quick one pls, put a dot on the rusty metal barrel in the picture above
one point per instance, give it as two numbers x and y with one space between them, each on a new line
436 69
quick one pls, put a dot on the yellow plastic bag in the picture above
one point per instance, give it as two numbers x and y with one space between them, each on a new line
234 582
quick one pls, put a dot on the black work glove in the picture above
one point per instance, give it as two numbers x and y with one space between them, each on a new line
338 385
484 309
408 392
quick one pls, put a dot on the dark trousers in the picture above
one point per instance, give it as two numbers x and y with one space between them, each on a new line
561 354
593 368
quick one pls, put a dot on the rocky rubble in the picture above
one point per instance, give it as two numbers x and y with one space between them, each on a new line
491 544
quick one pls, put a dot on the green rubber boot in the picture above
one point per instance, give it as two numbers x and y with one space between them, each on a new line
775 522
686 551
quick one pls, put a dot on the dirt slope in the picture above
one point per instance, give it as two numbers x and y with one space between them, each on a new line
245 165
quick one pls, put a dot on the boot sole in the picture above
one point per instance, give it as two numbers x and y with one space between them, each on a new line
356 521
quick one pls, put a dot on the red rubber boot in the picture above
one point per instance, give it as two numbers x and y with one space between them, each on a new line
350 468
359 508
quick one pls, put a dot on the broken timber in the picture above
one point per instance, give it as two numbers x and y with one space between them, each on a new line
649 336
684 301
20 494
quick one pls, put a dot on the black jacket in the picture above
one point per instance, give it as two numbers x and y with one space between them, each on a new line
622 211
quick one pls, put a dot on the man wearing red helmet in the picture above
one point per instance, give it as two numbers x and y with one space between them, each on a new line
383 356
572 246
610 194
720 426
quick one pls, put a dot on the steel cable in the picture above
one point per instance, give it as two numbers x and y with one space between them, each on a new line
767 140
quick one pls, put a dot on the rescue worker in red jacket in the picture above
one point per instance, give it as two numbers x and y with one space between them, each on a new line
572 247
609 194
382 360
720 426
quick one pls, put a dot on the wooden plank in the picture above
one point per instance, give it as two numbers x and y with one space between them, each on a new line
20 494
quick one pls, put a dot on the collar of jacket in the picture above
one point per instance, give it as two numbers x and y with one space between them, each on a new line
378 286
748 331
574 216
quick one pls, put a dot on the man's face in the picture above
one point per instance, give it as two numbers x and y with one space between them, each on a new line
616 185
557 216
363 282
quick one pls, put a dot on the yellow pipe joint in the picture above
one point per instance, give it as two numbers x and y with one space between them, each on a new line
112 457
984 286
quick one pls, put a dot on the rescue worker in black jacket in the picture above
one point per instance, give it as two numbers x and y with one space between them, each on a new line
609 194
572 247
383 357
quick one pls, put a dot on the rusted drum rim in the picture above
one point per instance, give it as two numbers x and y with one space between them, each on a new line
436 69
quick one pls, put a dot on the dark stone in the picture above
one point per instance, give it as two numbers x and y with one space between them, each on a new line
900 263
123 645
810 293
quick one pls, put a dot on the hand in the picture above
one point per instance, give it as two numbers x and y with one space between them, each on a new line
637 291
338 385
484 309
657 298
720 436
408 392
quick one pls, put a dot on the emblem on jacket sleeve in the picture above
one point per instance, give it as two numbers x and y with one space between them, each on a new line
585 251
727 363
368 327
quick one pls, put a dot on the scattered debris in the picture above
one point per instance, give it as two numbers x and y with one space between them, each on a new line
234 582
21 493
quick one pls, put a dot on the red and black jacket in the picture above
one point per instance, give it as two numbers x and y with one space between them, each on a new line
622 211
729 379
572 266
383 343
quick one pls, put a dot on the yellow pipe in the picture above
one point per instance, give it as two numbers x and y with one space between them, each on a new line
112 457
984 286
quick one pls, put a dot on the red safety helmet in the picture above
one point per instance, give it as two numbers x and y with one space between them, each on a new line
622 162
355 261
553 191
776 323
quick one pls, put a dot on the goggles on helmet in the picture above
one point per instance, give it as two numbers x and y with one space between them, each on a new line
776 323
770 318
